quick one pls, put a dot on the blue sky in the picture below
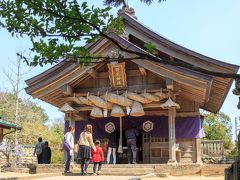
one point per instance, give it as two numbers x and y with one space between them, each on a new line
208 27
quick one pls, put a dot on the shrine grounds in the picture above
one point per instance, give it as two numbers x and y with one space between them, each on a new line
23 176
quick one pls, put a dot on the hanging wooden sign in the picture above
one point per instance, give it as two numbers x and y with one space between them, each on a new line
117 75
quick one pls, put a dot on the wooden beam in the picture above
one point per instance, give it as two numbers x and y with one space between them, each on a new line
187 114
145 106
142 71
165 113
66 89
93 73
79 116
180 77
103 90
156 113
134 72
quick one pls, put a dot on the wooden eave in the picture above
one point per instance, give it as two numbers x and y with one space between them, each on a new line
58 72
44 75
56 69
51 77
201 82
49 90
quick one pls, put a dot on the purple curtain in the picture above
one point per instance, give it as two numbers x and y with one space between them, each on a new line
186 127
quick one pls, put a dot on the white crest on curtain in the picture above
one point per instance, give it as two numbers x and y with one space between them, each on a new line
109 127
147 126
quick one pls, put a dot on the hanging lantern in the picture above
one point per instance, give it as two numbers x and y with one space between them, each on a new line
117 111
66 108
137 109
96 112
169 103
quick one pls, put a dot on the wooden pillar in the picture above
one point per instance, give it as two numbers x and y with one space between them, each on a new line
198 151
171 133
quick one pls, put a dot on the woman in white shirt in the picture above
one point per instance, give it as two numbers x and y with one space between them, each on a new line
86 143
69 139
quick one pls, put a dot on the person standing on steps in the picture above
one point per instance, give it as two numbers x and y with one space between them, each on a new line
86 143
97 158
69 143
112 146
131 136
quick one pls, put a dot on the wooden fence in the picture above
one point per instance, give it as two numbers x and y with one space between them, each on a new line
212 148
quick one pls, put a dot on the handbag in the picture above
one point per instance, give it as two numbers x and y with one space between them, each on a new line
65 145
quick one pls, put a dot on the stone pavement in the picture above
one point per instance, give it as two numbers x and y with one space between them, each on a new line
58 176
130 178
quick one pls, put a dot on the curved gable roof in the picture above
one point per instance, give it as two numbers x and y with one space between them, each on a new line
170 44
218 87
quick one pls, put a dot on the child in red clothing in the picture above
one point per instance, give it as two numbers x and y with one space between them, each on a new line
97 158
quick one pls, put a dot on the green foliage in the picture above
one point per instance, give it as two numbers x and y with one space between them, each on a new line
33 119
150 47
218 127
232 153
57 157
56 28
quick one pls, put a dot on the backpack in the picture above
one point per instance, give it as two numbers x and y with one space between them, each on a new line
38 149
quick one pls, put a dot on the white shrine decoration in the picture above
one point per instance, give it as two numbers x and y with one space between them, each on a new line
109 127
148 126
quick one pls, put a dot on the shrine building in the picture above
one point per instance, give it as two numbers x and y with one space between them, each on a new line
161 101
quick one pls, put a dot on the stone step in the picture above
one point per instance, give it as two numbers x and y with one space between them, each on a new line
161 170
121 171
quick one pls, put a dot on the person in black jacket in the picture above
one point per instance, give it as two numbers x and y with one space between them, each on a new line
112 146
131 136
46 153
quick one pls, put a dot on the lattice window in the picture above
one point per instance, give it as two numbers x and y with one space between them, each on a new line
158 139
146 137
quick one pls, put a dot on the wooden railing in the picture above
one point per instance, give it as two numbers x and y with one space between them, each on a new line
212 148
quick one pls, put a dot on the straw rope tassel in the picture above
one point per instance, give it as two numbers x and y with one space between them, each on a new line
127 108
120 149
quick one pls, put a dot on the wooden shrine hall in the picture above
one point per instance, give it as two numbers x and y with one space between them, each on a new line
161 101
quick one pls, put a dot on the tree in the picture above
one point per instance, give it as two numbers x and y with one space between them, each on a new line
34 122
31 116
57 27
218 127
14 78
